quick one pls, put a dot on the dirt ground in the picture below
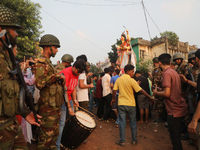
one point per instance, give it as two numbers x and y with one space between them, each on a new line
149 137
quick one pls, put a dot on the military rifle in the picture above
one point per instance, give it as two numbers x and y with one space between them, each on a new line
190 75
25 94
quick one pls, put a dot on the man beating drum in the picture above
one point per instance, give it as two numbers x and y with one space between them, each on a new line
71 76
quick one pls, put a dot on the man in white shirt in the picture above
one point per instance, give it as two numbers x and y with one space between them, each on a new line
107 96
82 89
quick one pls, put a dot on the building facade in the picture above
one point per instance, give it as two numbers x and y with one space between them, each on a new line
149 49
105 64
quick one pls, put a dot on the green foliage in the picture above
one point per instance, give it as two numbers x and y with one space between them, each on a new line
29 17
172 37
155 38
144 65
94 69
113 54
132 38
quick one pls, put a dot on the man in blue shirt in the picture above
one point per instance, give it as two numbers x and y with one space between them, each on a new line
114 106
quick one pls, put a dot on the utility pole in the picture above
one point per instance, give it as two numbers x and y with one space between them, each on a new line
166 44
146 19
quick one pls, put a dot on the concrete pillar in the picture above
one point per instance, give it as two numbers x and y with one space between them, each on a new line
178 47
166 45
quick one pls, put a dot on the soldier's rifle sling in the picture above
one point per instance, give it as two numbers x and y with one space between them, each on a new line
16 66
190 73
192 77
65 90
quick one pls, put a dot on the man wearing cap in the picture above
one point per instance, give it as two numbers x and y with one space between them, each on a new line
11 136
49 82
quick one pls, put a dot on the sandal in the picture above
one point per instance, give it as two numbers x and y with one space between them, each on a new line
120 143
134 143
100 119
106 121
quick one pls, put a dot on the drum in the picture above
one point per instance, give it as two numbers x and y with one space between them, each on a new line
76 130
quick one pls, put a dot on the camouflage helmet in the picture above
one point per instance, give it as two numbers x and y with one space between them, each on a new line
67 58
49 40
191 54
172 62
178 56
155 60
8 18
87 64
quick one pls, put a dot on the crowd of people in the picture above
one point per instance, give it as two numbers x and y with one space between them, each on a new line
58 91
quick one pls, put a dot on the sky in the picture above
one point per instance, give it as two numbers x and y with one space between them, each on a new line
90 27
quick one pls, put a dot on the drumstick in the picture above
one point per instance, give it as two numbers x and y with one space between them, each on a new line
87 111
83 119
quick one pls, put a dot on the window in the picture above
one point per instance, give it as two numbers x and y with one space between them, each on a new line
142 53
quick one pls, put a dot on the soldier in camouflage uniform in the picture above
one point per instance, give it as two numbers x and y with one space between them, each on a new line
180 64
180 68
157 80
67 59
172 64
11 136
192 75
48 81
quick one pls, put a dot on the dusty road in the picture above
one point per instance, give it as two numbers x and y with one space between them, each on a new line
149 137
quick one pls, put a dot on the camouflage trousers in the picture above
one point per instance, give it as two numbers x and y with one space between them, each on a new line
49 127
11 136
160 107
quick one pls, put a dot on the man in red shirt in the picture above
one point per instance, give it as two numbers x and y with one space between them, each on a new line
71 76
175 104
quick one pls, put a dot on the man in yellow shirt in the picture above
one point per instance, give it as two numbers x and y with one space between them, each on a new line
127 86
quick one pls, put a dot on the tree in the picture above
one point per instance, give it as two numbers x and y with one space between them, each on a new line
94 69
155 38
144 65
113 54
29 18
172 37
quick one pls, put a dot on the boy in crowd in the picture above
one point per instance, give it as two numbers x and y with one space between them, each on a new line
127 86
115 105
174 103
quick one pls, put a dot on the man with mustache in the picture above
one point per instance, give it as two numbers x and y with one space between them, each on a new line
11 136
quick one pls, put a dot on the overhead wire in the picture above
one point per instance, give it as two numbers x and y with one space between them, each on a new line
146 20
125 4
128 4
118 1
74 31
152 20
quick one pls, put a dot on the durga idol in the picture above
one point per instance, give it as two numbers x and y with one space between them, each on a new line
125 53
